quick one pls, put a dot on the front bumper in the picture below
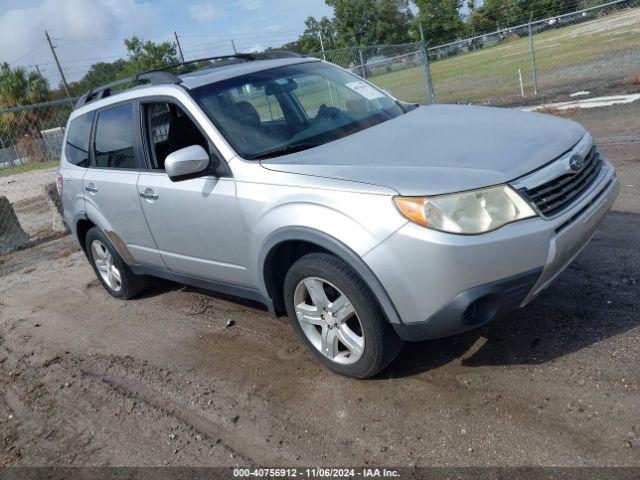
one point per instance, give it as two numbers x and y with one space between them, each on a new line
442 284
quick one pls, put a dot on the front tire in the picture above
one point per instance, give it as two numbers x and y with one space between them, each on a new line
114 275
337 317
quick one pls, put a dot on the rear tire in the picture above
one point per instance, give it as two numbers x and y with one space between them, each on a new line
114 274
338 317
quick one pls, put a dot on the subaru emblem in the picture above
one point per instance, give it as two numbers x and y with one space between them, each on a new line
576 162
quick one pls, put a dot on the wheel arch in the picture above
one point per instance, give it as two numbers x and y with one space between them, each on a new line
284 246
83 225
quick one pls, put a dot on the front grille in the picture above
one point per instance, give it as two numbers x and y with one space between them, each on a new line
558 194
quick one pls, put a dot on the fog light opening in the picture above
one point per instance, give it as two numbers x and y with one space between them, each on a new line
481 310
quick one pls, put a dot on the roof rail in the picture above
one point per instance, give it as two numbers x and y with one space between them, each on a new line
160 76
276 54
242 57
154 77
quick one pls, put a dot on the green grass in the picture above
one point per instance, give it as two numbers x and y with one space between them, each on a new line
597 52
28 168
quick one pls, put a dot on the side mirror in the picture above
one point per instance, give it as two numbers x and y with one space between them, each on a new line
186 163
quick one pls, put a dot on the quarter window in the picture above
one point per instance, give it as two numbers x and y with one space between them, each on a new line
76 150
115 138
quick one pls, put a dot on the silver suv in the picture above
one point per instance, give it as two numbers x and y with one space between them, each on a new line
294 183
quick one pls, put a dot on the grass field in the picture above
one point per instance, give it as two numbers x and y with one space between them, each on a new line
28 167
591 55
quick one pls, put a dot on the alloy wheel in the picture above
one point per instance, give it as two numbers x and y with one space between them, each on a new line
329 320
107 269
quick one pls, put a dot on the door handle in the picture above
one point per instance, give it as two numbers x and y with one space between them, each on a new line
149 194
91 188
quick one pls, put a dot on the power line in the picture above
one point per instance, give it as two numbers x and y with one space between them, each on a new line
33 50
109 39
266 34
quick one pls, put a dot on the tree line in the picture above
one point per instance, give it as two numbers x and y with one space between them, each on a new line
375 22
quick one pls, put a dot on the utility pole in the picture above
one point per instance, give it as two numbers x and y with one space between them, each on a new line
534 73
55 57
233 45
178 45
431 96
38 69
324 57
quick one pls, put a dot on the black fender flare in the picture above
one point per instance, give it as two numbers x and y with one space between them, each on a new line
337 248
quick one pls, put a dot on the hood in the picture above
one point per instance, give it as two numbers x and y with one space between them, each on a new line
440 149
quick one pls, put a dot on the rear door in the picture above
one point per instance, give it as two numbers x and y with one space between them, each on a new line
110 183
73 167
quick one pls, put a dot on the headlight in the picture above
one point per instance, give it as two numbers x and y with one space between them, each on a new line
476 211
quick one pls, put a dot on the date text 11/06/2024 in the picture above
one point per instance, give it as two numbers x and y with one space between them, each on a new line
315 473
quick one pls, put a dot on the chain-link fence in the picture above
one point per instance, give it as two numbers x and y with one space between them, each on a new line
596 50
30 144
397 68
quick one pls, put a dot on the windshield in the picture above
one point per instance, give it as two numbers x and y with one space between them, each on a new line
287 109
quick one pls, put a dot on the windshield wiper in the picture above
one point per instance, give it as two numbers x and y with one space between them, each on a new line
283 150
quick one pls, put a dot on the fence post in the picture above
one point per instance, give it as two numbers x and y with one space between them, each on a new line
324 57
364 72
431 95
534 73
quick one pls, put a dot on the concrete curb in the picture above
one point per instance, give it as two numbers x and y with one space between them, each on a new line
12 236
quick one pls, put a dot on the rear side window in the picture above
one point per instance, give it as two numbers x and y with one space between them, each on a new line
115 138
76 150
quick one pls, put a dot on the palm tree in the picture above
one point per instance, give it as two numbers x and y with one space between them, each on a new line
18 88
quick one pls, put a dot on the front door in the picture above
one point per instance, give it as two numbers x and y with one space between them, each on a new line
195 223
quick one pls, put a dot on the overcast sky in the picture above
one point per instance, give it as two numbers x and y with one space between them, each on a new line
86 31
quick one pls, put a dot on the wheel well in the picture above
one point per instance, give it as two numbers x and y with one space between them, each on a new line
82 227
277 264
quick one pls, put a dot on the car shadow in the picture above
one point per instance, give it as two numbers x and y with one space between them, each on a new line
160 286
596 298
157 287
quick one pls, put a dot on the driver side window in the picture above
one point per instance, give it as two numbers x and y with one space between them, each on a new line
169 129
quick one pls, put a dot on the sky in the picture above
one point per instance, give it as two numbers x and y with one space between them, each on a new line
87 31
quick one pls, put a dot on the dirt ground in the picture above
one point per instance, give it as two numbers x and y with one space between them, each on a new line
160 380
